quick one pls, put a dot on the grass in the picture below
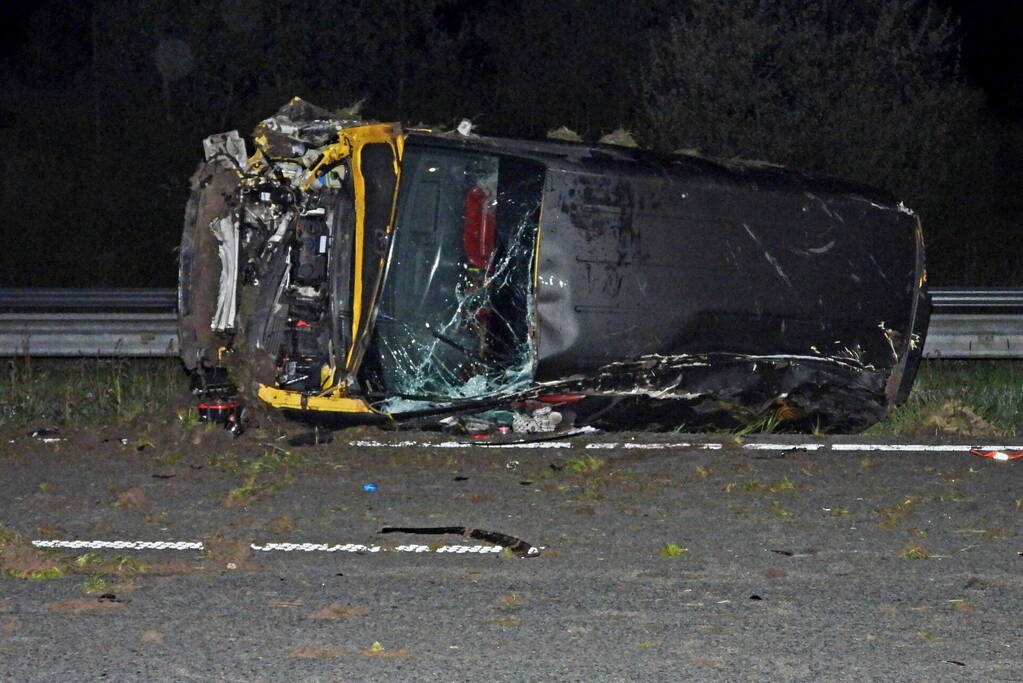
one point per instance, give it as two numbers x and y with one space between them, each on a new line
584 464
86 391
990 389
983 397
672 550
915 552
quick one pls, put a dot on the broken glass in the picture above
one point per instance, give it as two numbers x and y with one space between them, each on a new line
455 314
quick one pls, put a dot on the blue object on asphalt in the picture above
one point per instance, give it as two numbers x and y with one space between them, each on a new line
369 487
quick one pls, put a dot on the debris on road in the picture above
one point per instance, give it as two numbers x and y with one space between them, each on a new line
512 543
46 435
997 455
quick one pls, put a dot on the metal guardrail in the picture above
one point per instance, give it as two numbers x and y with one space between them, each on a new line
141 322
88 334
973 298
974 336
115 300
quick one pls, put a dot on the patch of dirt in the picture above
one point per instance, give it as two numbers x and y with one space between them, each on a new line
132 499
229 553
957 419
398 652
9 625
21 560
339 612
171 567
281 525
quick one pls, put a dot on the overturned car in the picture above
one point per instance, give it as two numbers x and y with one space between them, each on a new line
366 272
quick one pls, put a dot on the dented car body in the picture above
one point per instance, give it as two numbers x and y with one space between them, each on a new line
366 272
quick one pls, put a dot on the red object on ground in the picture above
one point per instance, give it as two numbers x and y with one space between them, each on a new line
998 455
221 412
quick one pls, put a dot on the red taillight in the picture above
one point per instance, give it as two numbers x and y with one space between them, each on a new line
478 234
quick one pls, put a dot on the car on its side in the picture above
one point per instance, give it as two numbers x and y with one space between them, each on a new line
369 272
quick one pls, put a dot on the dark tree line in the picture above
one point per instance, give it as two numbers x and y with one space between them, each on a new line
104 104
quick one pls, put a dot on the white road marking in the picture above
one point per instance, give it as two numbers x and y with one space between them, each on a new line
273 547
121 545
708 446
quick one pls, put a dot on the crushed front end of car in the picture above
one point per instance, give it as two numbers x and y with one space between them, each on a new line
364 272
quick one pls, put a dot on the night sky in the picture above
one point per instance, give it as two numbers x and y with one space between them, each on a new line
991 29
993 50
515 67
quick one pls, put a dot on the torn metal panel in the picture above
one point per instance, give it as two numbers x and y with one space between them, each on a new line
367 272
226 232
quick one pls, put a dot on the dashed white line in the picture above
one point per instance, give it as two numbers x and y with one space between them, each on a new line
360 548
121 545
707 446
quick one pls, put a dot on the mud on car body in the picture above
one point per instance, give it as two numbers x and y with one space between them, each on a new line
367 272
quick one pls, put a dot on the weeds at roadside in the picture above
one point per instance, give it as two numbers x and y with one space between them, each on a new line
584 464
778 510
672 550
248 492
889 517
95 585
767 424
782 485
86 391
510 600
915 552
976 397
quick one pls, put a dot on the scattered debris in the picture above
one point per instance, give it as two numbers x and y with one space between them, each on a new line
515 545
46 435
997 455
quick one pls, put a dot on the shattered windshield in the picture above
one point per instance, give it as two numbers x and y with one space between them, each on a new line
456 308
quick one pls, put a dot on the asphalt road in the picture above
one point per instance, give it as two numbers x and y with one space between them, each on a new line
786 564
